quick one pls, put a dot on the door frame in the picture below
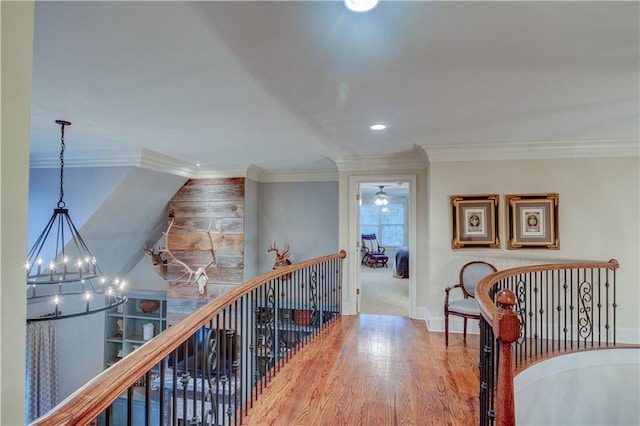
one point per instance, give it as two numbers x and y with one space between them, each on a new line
354 233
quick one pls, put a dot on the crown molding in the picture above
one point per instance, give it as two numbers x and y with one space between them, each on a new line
416 158
254 172
152 160
86 158
163 163
534 150
413 159
301 175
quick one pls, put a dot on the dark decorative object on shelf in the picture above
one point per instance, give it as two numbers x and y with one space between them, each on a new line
302 317
148 306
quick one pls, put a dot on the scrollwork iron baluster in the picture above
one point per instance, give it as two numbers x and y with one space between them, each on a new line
585 327
313 295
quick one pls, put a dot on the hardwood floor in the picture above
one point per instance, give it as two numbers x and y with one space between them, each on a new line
375 370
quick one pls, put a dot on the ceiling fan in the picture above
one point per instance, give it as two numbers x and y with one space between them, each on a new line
381 193
384 190
381 197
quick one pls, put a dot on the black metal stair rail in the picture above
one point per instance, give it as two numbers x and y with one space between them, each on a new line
561 307
210 367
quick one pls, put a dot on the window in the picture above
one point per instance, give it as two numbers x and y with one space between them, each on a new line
386 222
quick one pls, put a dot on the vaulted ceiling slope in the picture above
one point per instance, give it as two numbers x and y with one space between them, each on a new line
116 214
295 85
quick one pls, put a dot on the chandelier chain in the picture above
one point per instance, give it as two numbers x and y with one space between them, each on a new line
61 203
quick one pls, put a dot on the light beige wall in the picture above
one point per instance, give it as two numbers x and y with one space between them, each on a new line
598 213
17 53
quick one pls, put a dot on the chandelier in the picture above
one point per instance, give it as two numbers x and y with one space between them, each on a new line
63 277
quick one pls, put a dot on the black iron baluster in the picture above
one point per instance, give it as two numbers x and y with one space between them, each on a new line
130 405
614 306
599 305
533 317
147 398
200 334
162 392
208 396
279 336
174 389
237 362
530 308
565 311
553 309
548 296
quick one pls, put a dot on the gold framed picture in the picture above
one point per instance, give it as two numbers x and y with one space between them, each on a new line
532 221
475 221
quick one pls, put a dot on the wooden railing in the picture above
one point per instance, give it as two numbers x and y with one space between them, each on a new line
533 311
211 366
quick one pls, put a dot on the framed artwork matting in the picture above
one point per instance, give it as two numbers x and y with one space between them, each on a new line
532 221
475 221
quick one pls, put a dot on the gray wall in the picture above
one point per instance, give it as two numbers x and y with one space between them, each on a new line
301 214
251 228
84 190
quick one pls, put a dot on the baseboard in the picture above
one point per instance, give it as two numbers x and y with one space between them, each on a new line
348 309
422 313
627 336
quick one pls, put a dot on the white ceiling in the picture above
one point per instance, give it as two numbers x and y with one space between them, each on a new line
290 85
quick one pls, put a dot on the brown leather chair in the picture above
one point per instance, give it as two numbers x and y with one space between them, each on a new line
467 307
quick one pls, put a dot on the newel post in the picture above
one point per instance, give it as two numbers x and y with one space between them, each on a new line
506 329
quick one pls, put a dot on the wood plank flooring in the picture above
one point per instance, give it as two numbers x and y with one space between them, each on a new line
375 370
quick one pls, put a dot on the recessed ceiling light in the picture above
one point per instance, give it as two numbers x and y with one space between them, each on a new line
360 5
378 127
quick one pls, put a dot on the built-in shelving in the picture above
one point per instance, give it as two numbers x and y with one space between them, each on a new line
125 324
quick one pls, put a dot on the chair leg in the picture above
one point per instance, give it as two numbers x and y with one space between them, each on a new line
446 329
464 335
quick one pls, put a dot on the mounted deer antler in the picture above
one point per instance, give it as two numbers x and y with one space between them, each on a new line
199 276
158 261
282 257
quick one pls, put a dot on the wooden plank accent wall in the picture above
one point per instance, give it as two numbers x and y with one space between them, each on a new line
200 202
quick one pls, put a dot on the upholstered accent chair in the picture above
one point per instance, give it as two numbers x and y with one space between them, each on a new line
373 252
466 307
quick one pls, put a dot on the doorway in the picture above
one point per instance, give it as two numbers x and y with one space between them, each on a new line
384 290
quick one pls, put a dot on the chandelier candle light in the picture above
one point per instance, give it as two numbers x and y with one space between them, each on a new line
71 283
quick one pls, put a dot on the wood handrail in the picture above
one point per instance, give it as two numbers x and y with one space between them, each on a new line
85 404
487 307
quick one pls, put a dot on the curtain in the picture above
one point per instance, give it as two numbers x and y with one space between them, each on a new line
42 369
